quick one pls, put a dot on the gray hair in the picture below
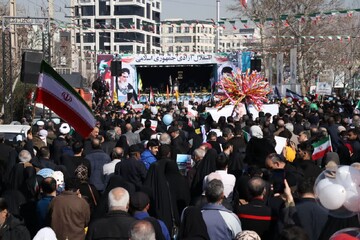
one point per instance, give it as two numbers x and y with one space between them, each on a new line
24 156
165 139
119 198
142 230
200 153
214 190
110 135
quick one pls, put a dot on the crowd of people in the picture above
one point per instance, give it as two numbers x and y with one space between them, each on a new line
124 182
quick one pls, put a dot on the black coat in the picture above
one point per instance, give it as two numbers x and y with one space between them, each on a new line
132 170
257 150
13 228
256 216
115 225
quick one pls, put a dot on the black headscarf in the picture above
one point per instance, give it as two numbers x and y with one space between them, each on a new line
114 181
206 166
193 225
122 142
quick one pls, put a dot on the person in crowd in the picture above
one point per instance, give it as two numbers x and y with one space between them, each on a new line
306 164
141 230
10 226
59 143
132 169
69 213
256 215
212 140
353 139
303 136
132 138
149 155
117 222
97 158
198 155
44 159
192 224
48 190
220 222
72 162
179 146
110 141
258 148
228 180
116 157
147 132
87 142
139 206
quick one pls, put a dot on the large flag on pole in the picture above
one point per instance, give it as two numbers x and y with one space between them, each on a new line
293 95
55 93
321 148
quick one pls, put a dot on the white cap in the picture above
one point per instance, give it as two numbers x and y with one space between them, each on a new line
64 128
43 133
40 123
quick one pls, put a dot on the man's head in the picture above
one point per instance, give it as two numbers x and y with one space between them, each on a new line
119 199
214 191
305 150
199 154
165 139
24 156
352 134
48 186
173 131
110 135
274 161
128 127
44 152
222 162
96 143
306 186
212 136
117 153
135 151
303 136
125 72
95 132
256 187
153 146
77 147
139 201
141 230
164 151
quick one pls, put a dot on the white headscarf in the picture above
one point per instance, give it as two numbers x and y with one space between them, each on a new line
255 131
45 233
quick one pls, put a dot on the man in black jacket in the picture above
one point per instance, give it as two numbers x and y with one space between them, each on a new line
255 215
117 223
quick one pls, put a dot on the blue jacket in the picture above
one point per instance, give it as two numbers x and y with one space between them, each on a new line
97 159
143 215
148 158
220 222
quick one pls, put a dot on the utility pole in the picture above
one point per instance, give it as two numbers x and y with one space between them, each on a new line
13 34
74 54
217 41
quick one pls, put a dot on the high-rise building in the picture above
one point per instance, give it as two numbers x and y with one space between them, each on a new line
115 26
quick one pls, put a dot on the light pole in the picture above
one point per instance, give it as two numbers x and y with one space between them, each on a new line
217 26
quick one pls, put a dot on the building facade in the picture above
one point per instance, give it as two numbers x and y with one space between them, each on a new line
115 26
188 36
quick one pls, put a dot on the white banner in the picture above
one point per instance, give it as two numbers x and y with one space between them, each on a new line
323 88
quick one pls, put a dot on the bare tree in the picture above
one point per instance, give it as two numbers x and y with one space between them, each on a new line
305 26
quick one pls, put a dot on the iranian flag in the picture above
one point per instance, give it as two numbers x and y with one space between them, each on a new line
55 93
321 148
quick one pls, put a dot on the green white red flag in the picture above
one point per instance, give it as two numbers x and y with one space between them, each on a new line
55 93
321 148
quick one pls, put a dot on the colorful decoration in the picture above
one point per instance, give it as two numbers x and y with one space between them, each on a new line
238 87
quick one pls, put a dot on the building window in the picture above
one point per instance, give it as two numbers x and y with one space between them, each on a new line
178 29
171 29
87 10
171 49
129 10
178 49
187 30
104 10
187 48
